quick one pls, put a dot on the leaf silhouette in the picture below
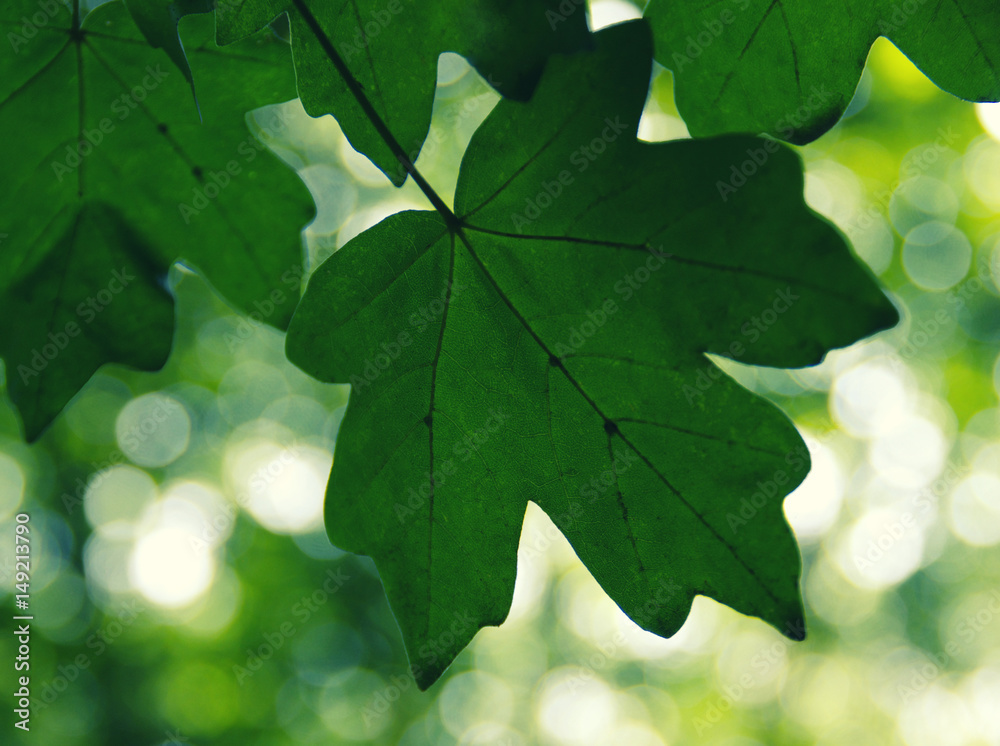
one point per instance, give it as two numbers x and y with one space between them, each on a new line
388 51
790 68
111 178
546 342
158 20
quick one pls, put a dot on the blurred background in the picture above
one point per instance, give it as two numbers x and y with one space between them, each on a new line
184 590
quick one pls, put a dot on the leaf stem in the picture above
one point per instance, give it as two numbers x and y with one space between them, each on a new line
373 116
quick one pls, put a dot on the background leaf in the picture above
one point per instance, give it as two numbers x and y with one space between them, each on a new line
790 69
112 175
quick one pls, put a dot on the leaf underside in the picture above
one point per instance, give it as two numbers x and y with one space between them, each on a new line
548 344
790 69
105 159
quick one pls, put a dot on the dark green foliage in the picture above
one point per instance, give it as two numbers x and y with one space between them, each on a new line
109 178
390 48
498 359
790 68
545 341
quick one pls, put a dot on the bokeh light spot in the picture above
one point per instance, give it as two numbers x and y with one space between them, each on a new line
936 256
153 430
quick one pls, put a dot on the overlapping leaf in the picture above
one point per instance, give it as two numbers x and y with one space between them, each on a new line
790 68
109 178
390 49
158 21
547 344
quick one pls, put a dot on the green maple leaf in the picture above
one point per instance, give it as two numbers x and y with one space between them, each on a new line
790 68
110 178
546 342
385 52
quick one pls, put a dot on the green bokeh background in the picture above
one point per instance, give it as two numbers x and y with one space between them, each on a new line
184 591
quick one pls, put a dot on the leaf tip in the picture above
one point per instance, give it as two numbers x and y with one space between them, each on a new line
886 314
432 667
426 678
796 629
791 620
33 429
